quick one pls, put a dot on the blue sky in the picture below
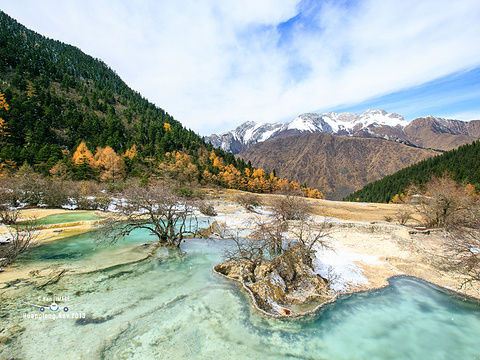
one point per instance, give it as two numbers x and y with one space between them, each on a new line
455 96
214 64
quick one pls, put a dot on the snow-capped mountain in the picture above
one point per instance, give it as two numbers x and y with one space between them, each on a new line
367 124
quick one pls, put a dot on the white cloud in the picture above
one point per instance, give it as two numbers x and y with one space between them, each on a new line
465 116
215 63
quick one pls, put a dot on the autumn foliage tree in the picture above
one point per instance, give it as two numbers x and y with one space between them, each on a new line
131 153
180 166
255 180
3 126
83 162
110 165
83 155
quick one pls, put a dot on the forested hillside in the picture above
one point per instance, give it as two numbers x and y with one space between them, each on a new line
64 112
462 164
58 96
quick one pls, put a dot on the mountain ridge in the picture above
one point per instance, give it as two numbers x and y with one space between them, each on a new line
336 165
420 132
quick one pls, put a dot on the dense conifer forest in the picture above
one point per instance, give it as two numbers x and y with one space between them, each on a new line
59 96
65 113
462 164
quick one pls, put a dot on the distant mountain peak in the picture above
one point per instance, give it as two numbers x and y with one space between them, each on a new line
250 132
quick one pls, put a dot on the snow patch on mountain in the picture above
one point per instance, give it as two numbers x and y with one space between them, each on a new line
250 132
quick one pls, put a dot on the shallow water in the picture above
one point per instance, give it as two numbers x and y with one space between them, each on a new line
69 217
174 307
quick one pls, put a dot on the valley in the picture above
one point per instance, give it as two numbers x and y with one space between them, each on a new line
341 153
125 234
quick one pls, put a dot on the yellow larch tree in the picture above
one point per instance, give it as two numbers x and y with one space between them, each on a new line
3 129
3 102
82 155
258 173
131 153
111 165
180 166
470 190
230 177
3 125
399 199
314 194
206 177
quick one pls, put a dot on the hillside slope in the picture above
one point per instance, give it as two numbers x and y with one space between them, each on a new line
58 96
442 134
336 165
71 116
463 164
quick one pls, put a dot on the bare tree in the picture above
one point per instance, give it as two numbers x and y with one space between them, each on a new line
271 233
440 201
404 214
245 249
243 253
289 207
8 214
155 208
21 237
248 201
311 233
269 238
206 208
448 205
463 245
30 185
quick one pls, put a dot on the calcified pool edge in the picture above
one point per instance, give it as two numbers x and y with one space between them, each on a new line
139 311
292 315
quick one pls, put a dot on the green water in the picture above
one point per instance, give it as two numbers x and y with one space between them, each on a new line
174 307
78 248
69 217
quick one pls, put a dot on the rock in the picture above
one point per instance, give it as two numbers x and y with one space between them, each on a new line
287 279
271 288
238 270
4 339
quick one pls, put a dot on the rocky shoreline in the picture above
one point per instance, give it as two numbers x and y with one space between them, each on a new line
287 313
363 256
286 280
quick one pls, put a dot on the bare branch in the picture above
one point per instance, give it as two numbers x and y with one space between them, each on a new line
289 207
449 206
21 237
155 208
270 232
312 234
248 201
